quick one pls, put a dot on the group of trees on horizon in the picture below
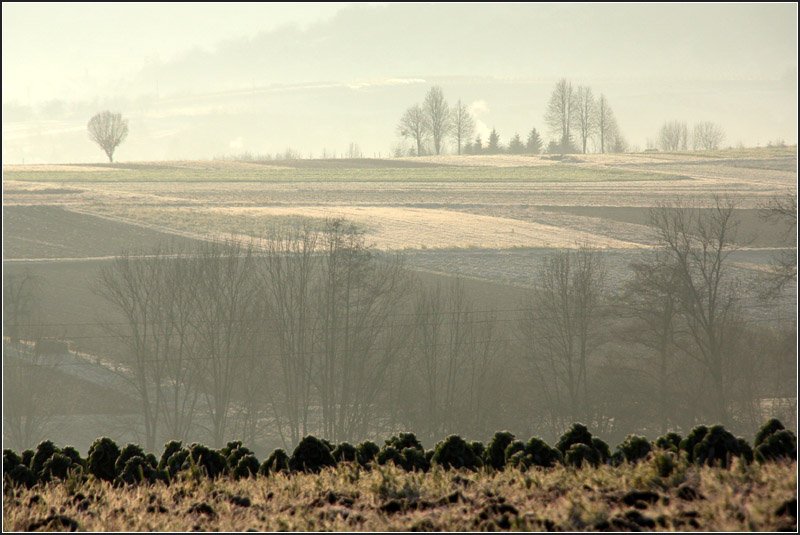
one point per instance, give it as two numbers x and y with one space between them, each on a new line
674 136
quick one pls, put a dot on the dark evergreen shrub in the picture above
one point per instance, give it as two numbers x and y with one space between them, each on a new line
780 445
495 454
670 441
44 451
169 448
278 461
230 447
211 461
10 461
246 467
21 475
602 449
235 455
717 448
344 452
137 470
664 462
413 460
693 439
102 456
128 452
772 426
56 467
366 452
745 451
27 457
577 434
403 441
634 448
454 452
74 456
541 454
176 462
519 460
389 454
311 455
514 447
327 444
579 454
478 448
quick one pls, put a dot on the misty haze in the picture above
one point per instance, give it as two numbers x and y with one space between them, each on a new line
325 255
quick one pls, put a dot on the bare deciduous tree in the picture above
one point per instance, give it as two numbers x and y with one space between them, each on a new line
437 116
782 210
606 124
673 136
463 125
560 115
108 130
585 119
696 244
707 136
414 125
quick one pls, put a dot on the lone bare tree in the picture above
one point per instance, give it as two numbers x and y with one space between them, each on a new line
413 125
585 119
782 209
560 113
437 116
108 130
463 125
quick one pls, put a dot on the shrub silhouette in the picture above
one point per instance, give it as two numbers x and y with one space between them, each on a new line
21 475
602 449
693 439
514 447
717 447
495 454
74 456
235 455
366 452
230 447
579 454
102 456
311 455
137 470
344 452
665 462
44 451
128 452
780 445
519 460
403 441
10 460
670 441
211 461
176 462
27 457
389 454
539 453
278 461
478 448
413 460
327 443
577 434
634 448
454 452
246 467
56 467
169 448
772 426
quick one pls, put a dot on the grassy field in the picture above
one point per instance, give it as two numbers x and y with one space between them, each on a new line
386 498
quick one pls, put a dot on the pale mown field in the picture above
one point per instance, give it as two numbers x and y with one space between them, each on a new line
445 202
386 498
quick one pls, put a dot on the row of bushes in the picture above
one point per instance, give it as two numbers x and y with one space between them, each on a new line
712 446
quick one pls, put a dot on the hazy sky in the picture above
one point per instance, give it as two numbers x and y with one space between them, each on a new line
189 75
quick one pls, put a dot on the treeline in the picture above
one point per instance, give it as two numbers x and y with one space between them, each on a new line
312 331
575 118
130 465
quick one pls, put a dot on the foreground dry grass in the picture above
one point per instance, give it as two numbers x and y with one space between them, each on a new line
627 498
